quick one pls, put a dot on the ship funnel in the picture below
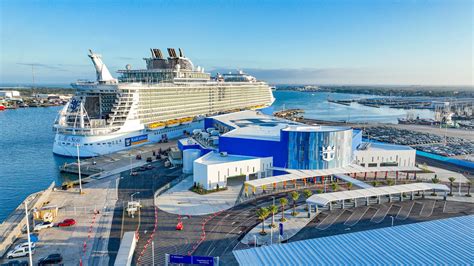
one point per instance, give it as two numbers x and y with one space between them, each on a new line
172 52
181 54
158 54
102 72
152 53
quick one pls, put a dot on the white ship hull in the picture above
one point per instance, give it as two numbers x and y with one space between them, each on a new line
91 146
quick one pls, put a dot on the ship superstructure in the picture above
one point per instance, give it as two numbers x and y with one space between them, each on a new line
167 99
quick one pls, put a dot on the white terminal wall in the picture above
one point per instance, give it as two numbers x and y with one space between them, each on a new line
212 168
379 155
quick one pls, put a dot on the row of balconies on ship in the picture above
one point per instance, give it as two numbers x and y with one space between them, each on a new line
173 114
204 100
145 108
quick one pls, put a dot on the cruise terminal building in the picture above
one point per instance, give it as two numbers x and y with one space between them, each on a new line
255 145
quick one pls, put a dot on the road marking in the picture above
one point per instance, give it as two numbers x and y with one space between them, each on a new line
123 216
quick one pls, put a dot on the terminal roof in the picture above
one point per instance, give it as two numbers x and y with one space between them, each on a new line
299 174
256 125
218 158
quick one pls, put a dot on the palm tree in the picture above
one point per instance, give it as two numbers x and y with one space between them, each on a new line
435 180
390 182
283 202
334 187
307 193
294 196
349 186
468 188
273 209
375 183
451 181
262 214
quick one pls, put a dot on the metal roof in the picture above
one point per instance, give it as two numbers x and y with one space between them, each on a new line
439 242
324 199
299 174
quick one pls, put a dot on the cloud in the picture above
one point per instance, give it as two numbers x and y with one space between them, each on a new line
302 75
55 67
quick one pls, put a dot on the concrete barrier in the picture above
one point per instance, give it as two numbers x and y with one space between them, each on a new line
10 229
127 247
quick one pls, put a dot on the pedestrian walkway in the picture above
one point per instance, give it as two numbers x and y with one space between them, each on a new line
180 200
354 181
291 227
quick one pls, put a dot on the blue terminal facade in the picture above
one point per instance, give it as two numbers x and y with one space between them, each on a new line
292 145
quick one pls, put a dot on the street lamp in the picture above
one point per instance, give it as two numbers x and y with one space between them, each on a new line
392 219
28 232
131 196
79 169
117 184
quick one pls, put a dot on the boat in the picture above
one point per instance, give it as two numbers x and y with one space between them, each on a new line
156 126
2 107
186 120
172 123
167 99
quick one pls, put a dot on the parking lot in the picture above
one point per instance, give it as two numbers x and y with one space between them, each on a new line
422 141
342 221
74 242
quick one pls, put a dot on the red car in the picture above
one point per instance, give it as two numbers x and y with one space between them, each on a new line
67 222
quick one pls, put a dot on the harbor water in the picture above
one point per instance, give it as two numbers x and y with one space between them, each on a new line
27 163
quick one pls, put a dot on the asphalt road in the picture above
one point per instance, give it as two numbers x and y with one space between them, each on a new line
146 183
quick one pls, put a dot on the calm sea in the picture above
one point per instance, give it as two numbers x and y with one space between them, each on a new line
26 138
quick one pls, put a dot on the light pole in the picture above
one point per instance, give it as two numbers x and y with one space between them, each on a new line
131 196
153 252
117 184
79 169
392 219
28 232
273 197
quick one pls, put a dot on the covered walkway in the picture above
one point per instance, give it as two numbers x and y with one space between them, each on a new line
326 199
294 175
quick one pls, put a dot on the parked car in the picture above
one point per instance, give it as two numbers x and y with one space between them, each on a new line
16 263
67 222
21 252
25 245
43 225
142 169
149 159
51 259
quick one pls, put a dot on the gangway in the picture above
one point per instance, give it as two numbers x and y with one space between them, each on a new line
354 181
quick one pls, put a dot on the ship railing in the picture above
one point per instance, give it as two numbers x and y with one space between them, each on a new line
87 131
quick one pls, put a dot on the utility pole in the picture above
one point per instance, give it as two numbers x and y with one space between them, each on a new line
79 169
28 232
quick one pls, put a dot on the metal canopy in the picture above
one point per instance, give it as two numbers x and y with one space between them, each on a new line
300 174
324 199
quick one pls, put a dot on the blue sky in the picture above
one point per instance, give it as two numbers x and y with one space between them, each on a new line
421 42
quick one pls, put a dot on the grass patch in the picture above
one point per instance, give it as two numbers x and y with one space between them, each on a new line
202 191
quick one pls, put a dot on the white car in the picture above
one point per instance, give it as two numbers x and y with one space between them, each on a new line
25 245
21 252
43 225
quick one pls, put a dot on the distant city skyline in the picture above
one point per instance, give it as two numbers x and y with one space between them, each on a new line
366 42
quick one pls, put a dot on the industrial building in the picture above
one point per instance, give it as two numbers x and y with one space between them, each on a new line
259 146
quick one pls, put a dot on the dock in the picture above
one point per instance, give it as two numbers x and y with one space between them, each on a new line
112 163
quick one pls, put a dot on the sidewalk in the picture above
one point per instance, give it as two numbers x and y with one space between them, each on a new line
180 200
291 227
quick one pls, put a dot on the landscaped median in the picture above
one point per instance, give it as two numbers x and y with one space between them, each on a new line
291 227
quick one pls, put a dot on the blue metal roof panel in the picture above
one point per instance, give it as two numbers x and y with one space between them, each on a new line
446 241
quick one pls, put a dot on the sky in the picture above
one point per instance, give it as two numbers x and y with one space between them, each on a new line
353 42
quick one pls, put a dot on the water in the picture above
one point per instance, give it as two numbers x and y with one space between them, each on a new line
27 163
316 106
26 160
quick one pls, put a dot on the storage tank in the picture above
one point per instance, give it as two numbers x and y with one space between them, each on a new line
189 156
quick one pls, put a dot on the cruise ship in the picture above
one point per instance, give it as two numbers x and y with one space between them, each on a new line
168 99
